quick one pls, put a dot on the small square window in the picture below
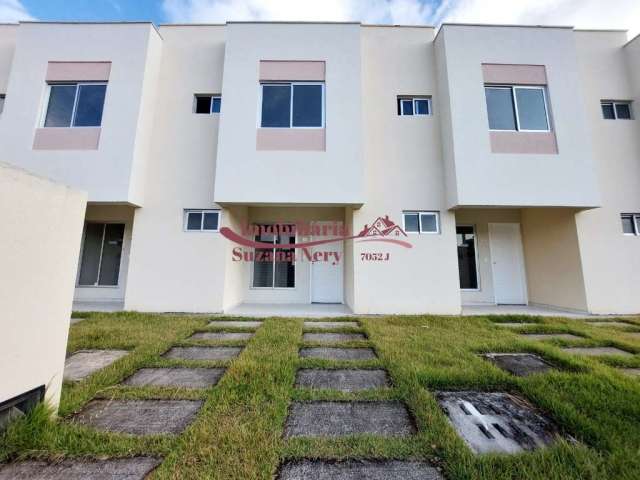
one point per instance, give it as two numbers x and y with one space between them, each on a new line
608 112
623 111
412 106
207 104
411 222
406 107
421 106
630 224
421 222
429 222
202 220
194 220
210 221
216 103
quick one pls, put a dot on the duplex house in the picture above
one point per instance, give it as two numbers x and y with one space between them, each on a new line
390 169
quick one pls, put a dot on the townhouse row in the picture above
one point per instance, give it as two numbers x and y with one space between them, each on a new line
389 169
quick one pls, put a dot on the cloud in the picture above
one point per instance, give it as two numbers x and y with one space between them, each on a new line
580 13
12 11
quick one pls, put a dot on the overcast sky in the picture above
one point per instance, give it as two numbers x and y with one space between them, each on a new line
623 14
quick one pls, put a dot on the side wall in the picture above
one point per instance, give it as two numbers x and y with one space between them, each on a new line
41 252
552 258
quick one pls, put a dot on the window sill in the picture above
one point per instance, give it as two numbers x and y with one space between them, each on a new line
526 142
67 138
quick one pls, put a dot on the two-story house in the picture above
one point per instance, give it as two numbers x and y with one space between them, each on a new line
470 165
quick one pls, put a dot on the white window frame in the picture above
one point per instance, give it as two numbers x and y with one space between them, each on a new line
291 85
185 220
273 272
477 255
513 89
420 231
413 100
211 96
635 218
613 103
45 110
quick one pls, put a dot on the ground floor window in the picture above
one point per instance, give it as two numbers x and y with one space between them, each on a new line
467 267
631 223
275 267
101 254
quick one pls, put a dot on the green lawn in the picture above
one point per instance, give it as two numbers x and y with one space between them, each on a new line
238 433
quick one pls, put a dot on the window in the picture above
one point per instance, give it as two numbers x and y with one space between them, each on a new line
101 253
421 222
1 103
207 104
616 110
75 105
467 265
517 108
414 106
292 105
201 220
631 223
275 267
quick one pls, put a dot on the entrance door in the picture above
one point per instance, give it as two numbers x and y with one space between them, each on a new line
507 258
326 278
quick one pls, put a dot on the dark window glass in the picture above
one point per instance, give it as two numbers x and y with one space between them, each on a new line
307 105
111 254
532 113
210 221
90 261
623 111
60 108
607 111
90 105
194 220
1 103
407 107
285 271
467 257
216 103
428 223
411 222
203 104
628 224
500 108
276 105
422 107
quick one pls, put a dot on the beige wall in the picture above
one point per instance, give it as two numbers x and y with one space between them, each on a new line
611 260
236 278
8 35
108 214
39 246
170 269
552 258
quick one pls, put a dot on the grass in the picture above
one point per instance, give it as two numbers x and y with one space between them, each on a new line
238 432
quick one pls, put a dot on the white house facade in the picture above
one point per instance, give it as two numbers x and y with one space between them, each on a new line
389 169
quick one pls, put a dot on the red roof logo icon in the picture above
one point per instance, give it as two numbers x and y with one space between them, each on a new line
382 227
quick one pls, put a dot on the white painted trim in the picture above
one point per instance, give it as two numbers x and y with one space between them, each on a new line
401 99
435 213
185 219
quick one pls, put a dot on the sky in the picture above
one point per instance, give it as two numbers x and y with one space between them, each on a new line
618 14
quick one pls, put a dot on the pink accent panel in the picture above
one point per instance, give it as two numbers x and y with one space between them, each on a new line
514 74
78 71
274 70
303 139
524 142
85 138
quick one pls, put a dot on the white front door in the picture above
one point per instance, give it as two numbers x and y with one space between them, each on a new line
326 276
507 259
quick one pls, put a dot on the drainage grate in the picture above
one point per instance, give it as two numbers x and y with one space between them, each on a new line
497 422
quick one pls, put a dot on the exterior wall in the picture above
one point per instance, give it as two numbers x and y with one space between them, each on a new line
404 171
236 277
108 214
170 269
481 178
552 258
35 299
8 35
480 219
110 173
250 176
611 260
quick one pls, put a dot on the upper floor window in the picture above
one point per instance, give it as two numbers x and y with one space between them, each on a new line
414 106
292 105
75 105
615 110
421 222
517 108
631 223
201 220
1 103
207 104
